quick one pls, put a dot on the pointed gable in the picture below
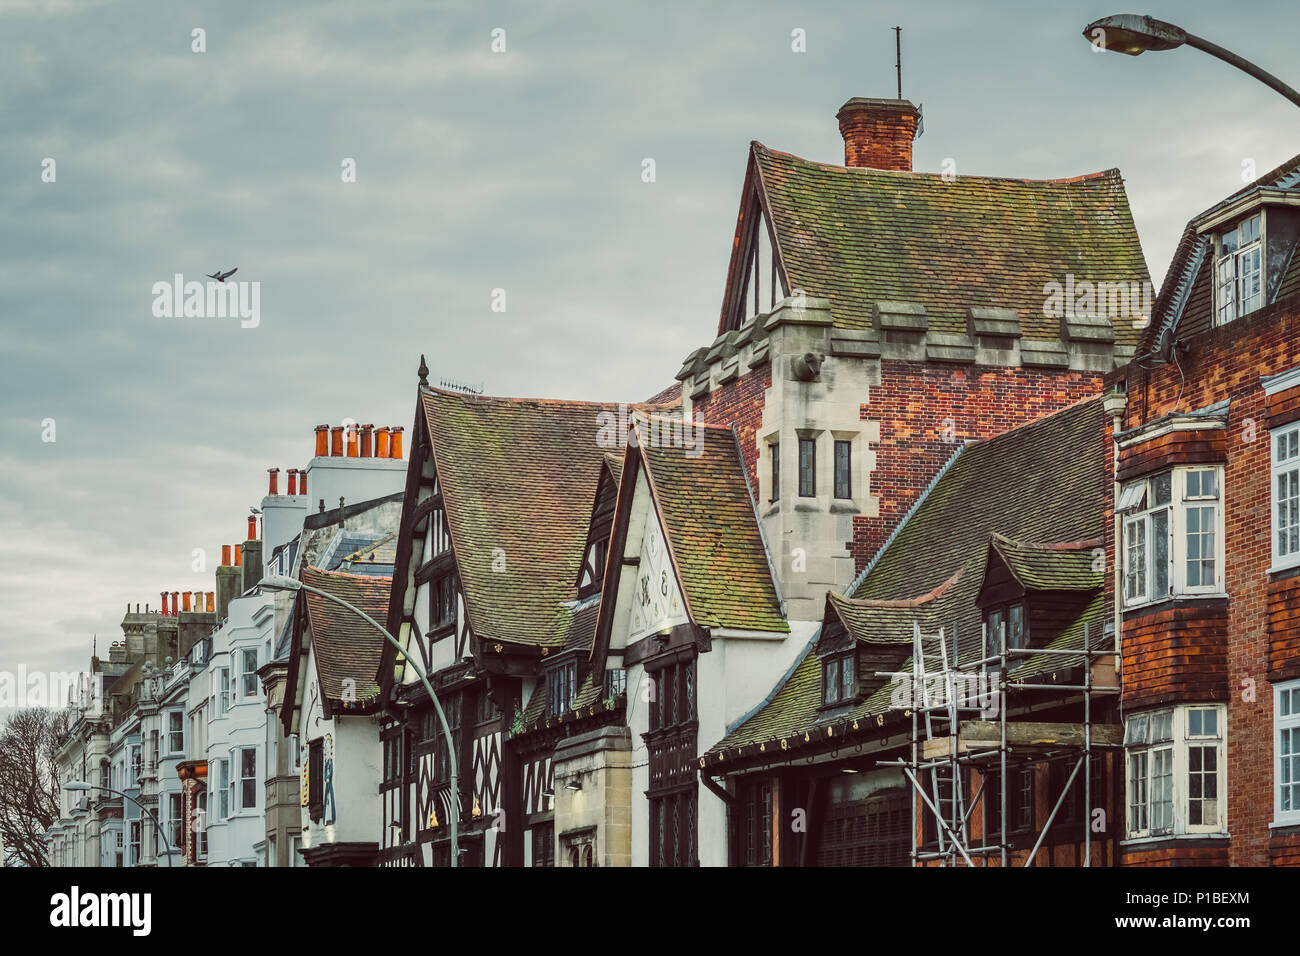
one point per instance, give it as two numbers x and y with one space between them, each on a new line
1185 306
510 472
866 238
596 550
756 279
344 648
688 544
707 513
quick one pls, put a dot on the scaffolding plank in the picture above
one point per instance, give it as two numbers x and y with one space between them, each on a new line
985 735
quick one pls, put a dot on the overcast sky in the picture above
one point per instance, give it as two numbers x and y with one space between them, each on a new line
475 171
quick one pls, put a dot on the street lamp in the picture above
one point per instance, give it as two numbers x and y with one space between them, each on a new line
157 826
1133 35
281 582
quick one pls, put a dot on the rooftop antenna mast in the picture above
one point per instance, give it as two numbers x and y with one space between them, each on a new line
898 65
898 51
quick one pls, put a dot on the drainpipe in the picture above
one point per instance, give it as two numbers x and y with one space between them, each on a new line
1114 404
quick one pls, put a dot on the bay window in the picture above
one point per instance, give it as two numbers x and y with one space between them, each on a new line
1172 535
1175 765
1286 745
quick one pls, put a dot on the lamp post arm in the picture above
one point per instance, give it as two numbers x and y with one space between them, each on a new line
437 706
157 824
1227 56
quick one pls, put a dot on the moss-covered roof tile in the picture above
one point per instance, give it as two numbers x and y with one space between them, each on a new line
864 236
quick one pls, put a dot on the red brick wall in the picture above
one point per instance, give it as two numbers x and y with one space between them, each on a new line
1201 446
926 411
1226 363
1177 652
1284 848
740 403
1284 625
1171 853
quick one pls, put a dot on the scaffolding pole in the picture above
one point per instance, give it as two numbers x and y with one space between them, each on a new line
940 720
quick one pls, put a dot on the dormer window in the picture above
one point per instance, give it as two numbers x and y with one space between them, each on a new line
839 679
561 688
1006 622
1239 271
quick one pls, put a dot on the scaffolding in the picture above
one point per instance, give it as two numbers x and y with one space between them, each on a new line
948 738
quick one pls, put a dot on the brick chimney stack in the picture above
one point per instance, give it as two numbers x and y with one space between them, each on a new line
877 133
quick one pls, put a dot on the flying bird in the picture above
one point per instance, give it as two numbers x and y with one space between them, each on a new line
222 276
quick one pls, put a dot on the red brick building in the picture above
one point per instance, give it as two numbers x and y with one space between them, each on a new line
874 318
1208 575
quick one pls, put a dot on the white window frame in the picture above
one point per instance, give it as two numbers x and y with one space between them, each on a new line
223 788
176 820
1283 464
1229 278
1289 724
1148 756
172 735
247 677
200 825
137 840
1139 513
237 779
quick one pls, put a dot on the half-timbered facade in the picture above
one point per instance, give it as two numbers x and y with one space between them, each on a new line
490 562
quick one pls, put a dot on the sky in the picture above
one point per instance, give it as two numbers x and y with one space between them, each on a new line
475 170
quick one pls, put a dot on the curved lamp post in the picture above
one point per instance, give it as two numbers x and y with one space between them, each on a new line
1133 35
157 825
280 582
